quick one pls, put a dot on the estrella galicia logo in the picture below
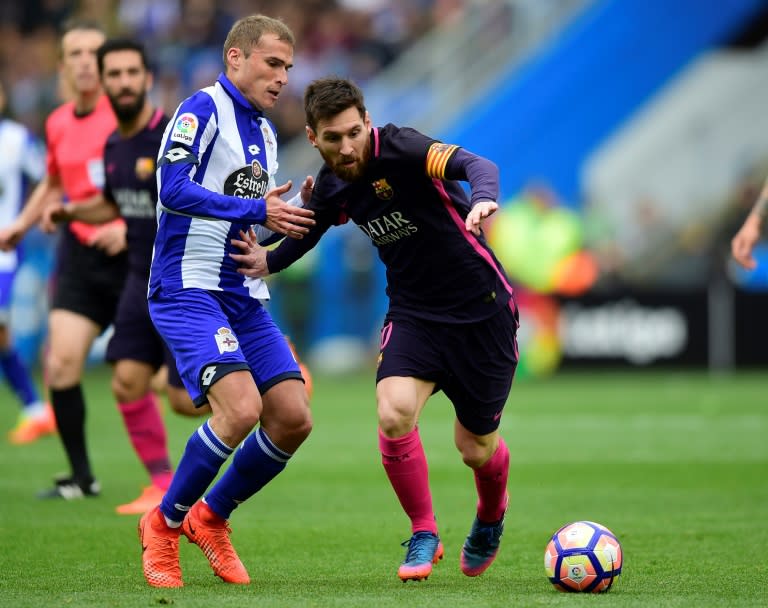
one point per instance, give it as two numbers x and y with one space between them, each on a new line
249 182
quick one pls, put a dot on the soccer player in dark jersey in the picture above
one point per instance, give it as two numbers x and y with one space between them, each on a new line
452 318
130 191
91 260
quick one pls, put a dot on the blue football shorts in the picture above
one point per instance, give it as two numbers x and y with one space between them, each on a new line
212 328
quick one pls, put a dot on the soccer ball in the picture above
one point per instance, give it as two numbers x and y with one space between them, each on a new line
584 557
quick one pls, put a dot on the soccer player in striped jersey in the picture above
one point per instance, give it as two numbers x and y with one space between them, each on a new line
216 178
21 166
452 319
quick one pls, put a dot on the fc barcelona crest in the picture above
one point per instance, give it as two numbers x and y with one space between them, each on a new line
145 168
383 189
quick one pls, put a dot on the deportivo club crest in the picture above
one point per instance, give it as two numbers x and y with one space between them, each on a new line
226 340
383 189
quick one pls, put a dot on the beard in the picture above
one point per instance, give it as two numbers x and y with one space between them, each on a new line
127 112
350 173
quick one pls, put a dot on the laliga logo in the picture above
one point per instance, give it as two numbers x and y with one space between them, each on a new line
185 128
577 573
186 123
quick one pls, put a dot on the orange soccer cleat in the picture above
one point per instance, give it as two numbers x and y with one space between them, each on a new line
211 533
30 428
160 550
149 497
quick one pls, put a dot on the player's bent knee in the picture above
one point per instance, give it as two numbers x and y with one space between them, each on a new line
288 432
127 391
395 422
62 373
475 454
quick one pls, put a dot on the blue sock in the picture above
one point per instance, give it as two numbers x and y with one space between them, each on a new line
200 463
19 378
255 464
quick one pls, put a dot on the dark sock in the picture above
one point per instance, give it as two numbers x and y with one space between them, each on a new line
69 407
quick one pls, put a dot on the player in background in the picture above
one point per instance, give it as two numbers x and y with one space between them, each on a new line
135 349
22 164
744 241
452 318
90 260
216 177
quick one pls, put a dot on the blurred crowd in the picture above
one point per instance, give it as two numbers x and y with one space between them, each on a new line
353 38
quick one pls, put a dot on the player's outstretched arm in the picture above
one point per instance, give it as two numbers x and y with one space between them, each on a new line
286 219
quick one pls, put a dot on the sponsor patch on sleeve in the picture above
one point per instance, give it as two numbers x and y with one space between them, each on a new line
178 155
185 128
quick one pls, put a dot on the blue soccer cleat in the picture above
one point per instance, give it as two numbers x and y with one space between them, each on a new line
481 546
424 549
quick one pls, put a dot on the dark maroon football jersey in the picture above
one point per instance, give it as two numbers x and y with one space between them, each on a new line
436 269
130 183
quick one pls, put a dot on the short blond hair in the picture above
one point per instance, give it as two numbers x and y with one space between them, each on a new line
79 25
247 32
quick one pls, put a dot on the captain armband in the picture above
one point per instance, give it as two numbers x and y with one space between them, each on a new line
437 159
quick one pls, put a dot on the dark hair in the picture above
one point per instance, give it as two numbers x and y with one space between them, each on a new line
121 44
327 97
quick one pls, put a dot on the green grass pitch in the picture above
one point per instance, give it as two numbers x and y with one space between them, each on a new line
674 463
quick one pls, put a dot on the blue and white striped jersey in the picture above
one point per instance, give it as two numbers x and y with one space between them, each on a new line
22 163
217 160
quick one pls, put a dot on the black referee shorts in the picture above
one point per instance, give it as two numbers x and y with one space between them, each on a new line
87 280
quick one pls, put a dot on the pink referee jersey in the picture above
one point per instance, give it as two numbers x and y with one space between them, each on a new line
75 153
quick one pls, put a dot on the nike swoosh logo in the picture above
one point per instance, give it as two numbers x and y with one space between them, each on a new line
496 416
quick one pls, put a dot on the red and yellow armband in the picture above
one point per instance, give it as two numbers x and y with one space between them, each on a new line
437 158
